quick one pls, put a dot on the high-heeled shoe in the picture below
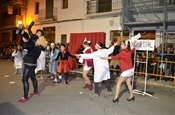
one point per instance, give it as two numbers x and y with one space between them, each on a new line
115 100
67 82
131 99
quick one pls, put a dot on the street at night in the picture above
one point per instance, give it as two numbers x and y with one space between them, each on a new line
72 99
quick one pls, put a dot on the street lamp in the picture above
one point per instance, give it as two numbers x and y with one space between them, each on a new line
19 22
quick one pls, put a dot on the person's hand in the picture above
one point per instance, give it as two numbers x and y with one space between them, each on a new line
116 44
77 55
134 43
105 57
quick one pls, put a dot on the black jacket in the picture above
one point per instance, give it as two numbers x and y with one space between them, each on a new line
30 59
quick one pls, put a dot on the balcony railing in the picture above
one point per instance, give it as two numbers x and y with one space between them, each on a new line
43 15
152 4
93 6
10 21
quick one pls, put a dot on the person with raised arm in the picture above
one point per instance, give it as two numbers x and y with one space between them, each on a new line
126 67
101 66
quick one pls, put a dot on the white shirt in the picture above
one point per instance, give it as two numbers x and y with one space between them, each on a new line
101 66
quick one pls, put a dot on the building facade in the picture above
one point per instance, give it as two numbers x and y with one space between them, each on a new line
118 19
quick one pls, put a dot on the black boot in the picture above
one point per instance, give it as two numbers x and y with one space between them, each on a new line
66 80
20 28
31 24
29 28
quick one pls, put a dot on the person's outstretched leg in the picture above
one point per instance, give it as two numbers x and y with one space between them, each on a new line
66 78
108 86
88 83
34 81
21 71
26 74
128 83
16 71
120 80
96 90
25 78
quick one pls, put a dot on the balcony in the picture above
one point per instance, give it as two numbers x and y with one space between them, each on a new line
45 15
151 5
10 21
110 8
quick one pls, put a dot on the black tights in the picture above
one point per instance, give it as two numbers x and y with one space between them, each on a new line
66 75
26 74
107 86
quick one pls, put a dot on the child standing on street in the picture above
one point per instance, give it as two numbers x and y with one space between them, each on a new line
18 60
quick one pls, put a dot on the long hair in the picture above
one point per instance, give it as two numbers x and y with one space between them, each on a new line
20 50
65 46
42 41
128 44
39 30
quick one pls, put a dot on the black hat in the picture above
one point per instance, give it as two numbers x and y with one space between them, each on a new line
42 32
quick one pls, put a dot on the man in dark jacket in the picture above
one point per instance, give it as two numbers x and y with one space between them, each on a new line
30 62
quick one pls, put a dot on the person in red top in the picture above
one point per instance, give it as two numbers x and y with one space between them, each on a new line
87 65
126 67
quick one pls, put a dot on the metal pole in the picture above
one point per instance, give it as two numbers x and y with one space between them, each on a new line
164 26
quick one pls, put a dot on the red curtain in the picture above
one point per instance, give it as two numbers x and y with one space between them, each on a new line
76 40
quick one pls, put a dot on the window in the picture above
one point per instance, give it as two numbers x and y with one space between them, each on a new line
49 9
36 7
63 38
65 4
104 5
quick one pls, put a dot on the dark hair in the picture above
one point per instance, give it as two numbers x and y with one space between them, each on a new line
39 30
53 49
20 50
100 44
128 44
64 45
87 43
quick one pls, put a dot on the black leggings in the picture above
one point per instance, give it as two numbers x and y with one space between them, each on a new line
66 75
26 74
107 86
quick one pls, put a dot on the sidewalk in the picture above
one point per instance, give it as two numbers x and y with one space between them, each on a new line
140 80
161 83
72 99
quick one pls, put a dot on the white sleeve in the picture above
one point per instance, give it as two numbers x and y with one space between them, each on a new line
14 53
87 56
110 50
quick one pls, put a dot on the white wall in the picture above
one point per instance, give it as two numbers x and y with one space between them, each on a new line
75 10
102 25
67 28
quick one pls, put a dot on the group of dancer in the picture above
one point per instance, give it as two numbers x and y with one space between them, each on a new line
98 60
101 67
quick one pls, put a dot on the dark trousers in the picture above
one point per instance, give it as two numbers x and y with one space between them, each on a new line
66 77
107 83
26 74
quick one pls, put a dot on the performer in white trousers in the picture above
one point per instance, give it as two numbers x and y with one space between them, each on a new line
101 66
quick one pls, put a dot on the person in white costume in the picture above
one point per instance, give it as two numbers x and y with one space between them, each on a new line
41 61
18 60
101 66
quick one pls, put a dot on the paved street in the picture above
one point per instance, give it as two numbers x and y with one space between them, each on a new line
72 99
